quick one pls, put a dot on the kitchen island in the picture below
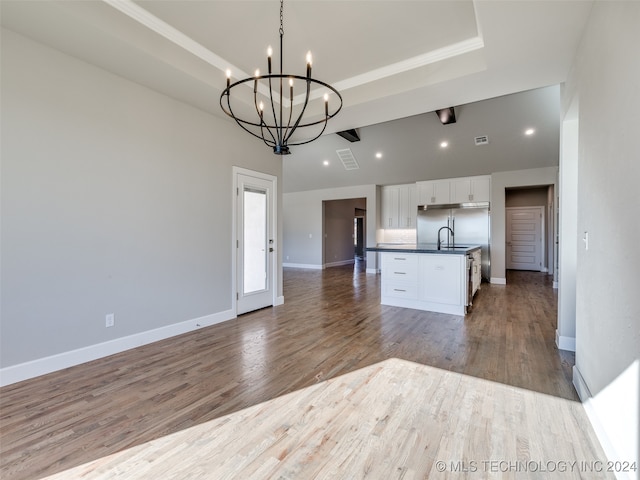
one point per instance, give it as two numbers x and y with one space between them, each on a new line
427 278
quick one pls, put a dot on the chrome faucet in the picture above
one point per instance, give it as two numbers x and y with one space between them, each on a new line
442 228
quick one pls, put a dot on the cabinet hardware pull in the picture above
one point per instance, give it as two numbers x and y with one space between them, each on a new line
400 273
399 258
398 290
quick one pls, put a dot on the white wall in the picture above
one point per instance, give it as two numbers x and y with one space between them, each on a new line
606 79
499 182
568 229
302 222
115 199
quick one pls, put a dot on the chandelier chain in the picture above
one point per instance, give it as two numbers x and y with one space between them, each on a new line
281 17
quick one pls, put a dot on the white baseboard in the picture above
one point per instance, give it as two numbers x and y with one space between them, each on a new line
555 285
598 426
544 269
372 270
498 281
279 301
565 343
42 366
350 261
303 265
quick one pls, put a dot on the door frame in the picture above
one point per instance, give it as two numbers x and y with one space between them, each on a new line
543 234
236 172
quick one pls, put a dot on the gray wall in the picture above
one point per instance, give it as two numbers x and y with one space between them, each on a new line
114 199
605 78
526 197
338 229
303 223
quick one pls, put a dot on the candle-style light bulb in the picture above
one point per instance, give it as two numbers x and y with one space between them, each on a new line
269 53
228 77
309 61
291 89
261 108
257 72
326 104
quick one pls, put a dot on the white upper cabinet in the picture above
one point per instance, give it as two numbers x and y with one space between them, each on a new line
399 206
390 206
408 206
433 192
471 189
455 190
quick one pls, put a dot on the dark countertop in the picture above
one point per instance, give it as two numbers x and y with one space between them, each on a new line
424 248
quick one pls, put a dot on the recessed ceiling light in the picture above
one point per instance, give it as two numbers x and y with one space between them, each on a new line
379 155
325 163
529 131
444 144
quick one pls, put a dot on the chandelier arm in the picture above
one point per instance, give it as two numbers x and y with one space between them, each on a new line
304 107
317 136
273 139
240 122
290 116
280 136
266 140
261 115
273 110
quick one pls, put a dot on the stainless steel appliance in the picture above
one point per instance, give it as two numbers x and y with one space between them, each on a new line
470 223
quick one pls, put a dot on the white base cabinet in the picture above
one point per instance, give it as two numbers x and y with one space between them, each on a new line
433 282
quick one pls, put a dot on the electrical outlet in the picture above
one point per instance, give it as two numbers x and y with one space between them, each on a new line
109 320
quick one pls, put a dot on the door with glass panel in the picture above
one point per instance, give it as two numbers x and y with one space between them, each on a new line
255 245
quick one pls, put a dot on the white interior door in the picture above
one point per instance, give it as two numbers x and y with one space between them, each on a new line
524 238
254 243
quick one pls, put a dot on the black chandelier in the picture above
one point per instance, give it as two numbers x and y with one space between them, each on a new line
269 125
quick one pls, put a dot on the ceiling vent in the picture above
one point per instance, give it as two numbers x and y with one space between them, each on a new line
482 140
348 160
351 135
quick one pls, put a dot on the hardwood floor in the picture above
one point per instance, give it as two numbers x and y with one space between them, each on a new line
331 324
393 419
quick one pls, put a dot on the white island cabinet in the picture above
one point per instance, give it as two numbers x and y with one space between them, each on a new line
436 282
